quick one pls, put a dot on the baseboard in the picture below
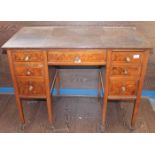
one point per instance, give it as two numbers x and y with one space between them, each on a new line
77 92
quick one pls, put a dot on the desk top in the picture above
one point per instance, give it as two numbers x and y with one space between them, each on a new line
77 37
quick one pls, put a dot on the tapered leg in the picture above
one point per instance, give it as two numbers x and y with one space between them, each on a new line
20 110
50 109
139 91
104 112
48 90
18 101
135 113
106 89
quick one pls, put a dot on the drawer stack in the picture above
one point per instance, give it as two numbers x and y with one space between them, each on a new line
124 74
29 71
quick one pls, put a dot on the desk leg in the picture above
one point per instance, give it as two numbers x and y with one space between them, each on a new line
104 112
106 88
139 91
18 100
48 93
135 113
58 82
49 108
20 110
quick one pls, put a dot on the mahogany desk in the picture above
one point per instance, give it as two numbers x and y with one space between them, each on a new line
34 52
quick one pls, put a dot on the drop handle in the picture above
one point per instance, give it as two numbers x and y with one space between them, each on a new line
27 58
128 59
77 60
31 88
125 71
123 88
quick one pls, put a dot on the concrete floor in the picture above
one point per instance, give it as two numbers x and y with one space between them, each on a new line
74 114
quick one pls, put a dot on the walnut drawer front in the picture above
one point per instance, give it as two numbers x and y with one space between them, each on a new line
122 87
31 87
77 57
127 57
125 70
27 56
29 69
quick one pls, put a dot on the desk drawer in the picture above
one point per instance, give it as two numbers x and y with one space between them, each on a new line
127 57
125 71
27 56
77 57
31 87
29 69
122 87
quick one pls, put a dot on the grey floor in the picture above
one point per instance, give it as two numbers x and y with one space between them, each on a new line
74 114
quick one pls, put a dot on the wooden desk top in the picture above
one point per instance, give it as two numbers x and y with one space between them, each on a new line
77 37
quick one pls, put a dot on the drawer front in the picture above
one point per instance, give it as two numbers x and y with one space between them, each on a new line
127 57
27 56
29 69
125 71
31 87
77 57
122 87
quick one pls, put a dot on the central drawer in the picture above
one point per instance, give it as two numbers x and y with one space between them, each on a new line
77 57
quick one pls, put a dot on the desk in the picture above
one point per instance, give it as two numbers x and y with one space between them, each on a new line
35 52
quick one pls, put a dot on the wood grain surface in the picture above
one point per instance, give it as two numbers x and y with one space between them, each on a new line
76 57
81 78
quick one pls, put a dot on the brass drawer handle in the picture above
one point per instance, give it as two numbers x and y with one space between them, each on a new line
125 71
123 88
128 59
28 72
27 58
77 60
31 88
